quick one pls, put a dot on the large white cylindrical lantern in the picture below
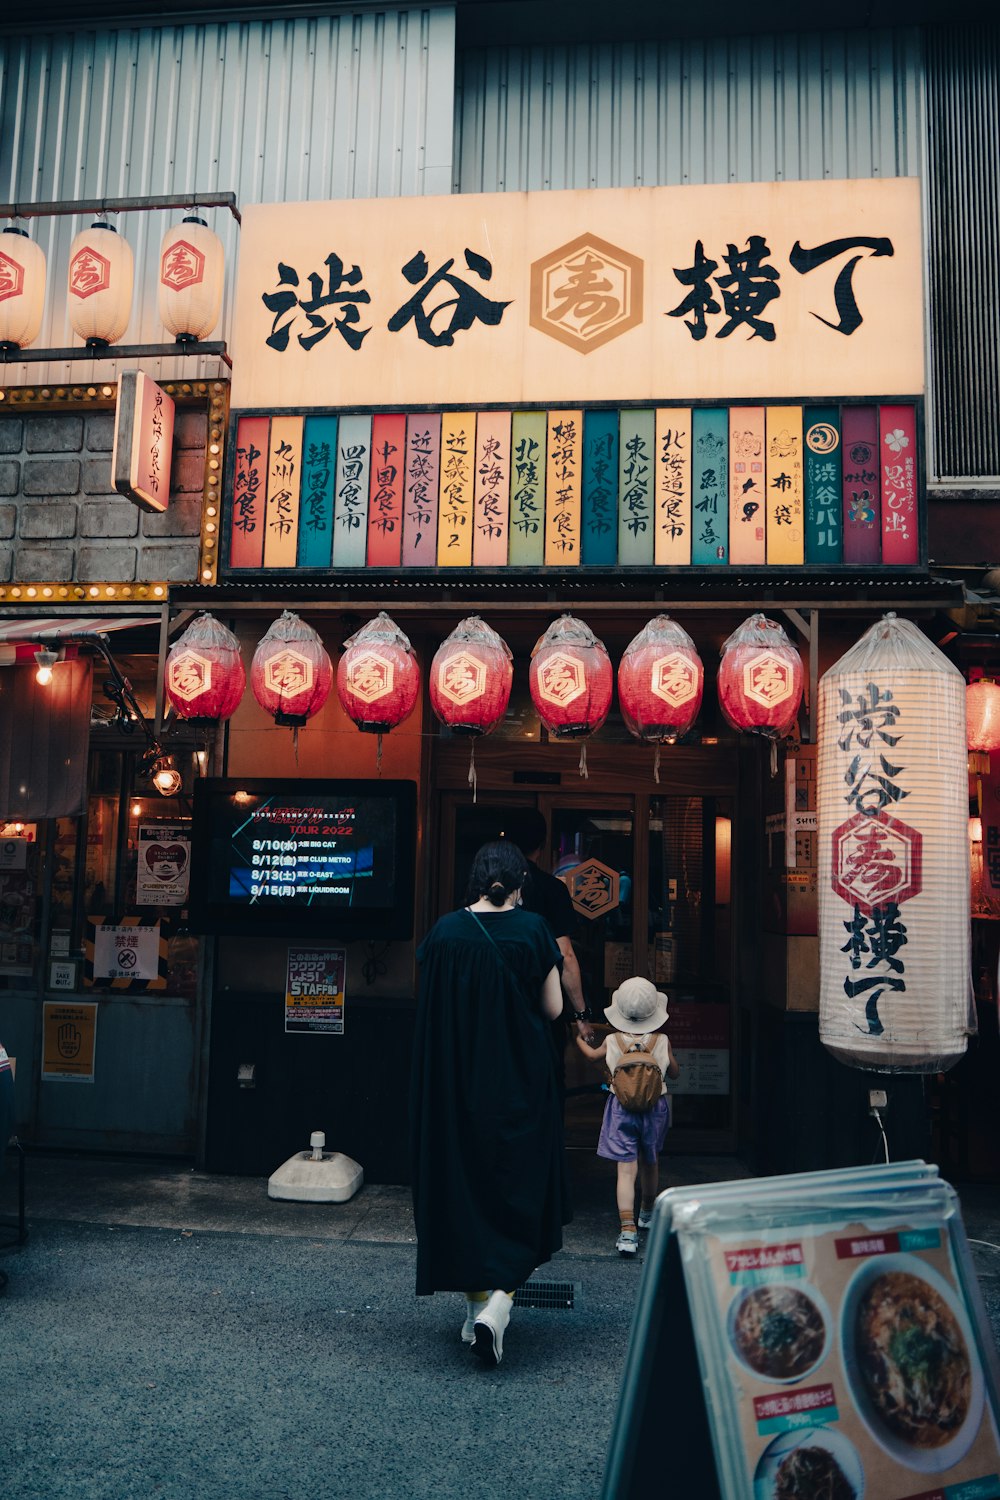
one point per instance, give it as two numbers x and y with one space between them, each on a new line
192 263
100 284
22 289
893 821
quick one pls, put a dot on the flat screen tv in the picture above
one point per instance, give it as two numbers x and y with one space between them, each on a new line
304 858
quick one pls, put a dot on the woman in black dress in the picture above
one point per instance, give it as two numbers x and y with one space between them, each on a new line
489 1185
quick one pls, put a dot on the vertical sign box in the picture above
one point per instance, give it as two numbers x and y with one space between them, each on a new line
710 485
491 501
246 545
898 449
563 489
284 480
821 457
862 484
785 517
319 461
672 488
527 489
420 490
458 446
350 500
385 500
599 504
637 433
747 497
143 447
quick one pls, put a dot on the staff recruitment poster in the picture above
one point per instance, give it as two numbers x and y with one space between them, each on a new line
314 990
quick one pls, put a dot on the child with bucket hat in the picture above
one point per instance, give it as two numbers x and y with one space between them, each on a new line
629 1137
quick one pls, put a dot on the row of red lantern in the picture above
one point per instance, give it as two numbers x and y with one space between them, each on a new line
100 280
660 677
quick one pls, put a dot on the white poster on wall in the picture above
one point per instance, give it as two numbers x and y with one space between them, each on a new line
127 952
164 866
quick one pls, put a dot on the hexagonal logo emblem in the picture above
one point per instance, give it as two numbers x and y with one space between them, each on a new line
11 277
561 679
461 678
593 888
767 679
674 679
289 672
182 266
586 292
189 674
89 272
877 861
370 677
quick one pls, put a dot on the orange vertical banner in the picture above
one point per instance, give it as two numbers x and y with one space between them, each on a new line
672 487
385 503
491 509
747 498
563 489
785 487
458 456
284 484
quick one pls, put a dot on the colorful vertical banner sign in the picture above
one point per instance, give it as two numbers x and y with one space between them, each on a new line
747 498
458 443
785 505
821 458
491 503
527 489
385 500
246 548
862 486
600 489
898 448
420 490
562 506
710 485
672 487
350 501
284 485
319 462
637 433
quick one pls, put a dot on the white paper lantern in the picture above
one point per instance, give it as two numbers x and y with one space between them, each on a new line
893 821
100 284
192 262
22 289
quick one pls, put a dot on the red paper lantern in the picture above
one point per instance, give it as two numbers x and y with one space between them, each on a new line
378 680
982 713
204 677
570 679
471 677
760 679
660 682
291 674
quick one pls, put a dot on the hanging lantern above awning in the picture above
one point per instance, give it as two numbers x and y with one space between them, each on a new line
192 269
378 680
660 684
982 711
291 673
760 681
22 289
571 681
893 833
204 678
470 682
100 285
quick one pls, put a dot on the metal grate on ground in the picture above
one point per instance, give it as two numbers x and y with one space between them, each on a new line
561 1295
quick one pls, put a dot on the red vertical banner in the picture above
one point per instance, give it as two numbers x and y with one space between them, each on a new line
420 490
385 503
862 484
898 452
491 503
246 535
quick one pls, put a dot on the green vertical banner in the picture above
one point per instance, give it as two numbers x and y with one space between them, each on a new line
636 472
824 511
319 459
527 489
600 488
710 485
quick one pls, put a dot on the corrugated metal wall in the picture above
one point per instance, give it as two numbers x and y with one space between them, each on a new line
740 109
963 118
346 106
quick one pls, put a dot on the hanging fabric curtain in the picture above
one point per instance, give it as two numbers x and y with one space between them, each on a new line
44 742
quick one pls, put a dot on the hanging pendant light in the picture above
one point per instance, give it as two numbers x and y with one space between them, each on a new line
22 289
204 678
660 684
291 673
470 682
192 268
760 681
571 680
101 273
378 680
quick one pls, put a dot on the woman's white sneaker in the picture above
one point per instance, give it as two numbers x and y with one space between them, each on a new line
489 1327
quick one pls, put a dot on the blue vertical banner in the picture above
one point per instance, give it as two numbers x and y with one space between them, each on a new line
319 467
600 489
710 485
636 499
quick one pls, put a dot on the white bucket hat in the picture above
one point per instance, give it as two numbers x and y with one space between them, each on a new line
637 1005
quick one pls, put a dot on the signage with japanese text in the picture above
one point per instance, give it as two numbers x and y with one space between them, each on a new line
69 1040
144 442
314 991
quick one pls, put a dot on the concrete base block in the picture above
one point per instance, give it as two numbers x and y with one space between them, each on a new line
332 1179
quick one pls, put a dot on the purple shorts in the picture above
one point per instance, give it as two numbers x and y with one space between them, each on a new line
626 1136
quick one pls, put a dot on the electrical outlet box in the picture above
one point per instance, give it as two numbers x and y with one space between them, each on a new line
877 1099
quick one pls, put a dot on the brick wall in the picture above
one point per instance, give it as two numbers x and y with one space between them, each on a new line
60 519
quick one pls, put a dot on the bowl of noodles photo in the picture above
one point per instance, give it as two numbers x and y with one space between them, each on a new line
779 1331
911 1362
811 1463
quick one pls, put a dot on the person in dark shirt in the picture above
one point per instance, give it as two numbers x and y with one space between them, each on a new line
549 898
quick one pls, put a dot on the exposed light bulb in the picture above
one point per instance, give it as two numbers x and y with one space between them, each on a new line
45 660
167 779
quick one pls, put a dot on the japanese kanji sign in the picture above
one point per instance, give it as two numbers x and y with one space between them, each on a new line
745 290
142 454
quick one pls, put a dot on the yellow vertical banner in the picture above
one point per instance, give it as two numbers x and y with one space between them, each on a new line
747 499
784 473
672 487
458 473
284 485
564 463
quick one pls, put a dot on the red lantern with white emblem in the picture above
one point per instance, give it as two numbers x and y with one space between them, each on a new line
378 680
660 684
291 674
471 677
204 678
571 680
760 680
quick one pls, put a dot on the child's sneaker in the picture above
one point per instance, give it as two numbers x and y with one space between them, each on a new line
627 1242
645 1218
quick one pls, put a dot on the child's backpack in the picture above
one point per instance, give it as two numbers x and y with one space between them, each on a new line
636 1079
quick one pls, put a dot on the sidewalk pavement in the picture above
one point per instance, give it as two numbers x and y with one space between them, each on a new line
176 1335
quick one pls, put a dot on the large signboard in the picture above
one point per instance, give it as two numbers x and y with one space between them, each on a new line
739 291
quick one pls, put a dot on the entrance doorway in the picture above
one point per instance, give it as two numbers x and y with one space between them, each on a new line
648 868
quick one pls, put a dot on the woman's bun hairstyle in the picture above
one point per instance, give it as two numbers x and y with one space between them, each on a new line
497 870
